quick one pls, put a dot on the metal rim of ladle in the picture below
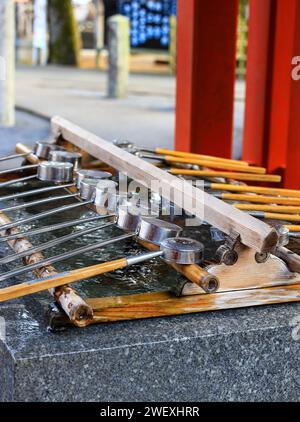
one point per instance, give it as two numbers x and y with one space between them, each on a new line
53 171
42 149
86 174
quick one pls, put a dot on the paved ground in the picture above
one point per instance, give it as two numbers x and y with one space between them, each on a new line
146 116
28 129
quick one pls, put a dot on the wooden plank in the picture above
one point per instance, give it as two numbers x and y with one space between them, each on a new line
122 308
254 233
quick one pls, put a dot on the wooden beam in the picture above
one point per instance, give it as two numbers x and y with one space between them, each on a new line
254 233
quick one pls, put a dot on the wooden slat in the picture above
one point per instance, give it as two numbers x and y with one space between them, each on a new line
254 233
164 304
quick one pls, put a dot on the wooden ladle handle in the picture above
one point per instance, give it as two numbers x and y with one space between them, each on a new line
61 279
194 273
24 149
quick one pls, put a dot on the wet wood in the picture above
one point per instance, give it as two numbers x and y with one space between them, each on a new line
273 178
247 274
74 306
164 304
254 233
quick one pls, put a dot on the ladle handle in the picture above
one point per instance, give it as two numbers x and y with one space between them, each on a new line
291 259
60 279
200 156
194 273
23 149
69 277
18 169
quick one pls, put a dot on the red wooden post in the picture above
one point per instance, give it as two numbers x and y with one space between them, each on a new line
284 142
272 126
205 76
258 80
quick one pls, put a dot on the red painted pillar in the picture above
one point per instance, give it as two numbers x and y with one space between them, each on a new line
205 76
258 80
284 141
272 125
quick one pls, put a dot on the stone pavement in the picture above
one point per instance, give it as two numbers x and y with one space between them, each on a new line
28 129
146 116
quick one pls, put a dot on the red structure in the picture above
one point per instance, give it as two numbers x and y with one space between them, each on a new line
272 128
205 75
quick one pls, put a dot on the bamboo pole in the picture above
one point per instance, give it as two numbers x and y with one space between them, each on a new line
274 216
255 189
293 228
163 151
260 199
268 208
79 312
215 164
228 175
56 280
151 305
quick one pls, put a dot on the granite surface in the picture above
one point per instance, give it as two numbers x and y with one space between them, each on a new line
247 354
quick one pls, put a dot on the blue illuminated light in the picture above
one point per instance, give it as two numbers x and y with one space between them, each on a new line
150 21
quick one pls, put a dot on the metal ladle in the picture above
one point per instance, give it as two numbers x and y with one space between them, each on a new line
67 157
151 231
124 220
46 171
176 249
80 176
87 192
41 150
55 172
86 187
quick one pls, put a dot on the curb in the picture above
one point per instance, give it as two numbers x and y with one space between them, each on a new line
33 112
